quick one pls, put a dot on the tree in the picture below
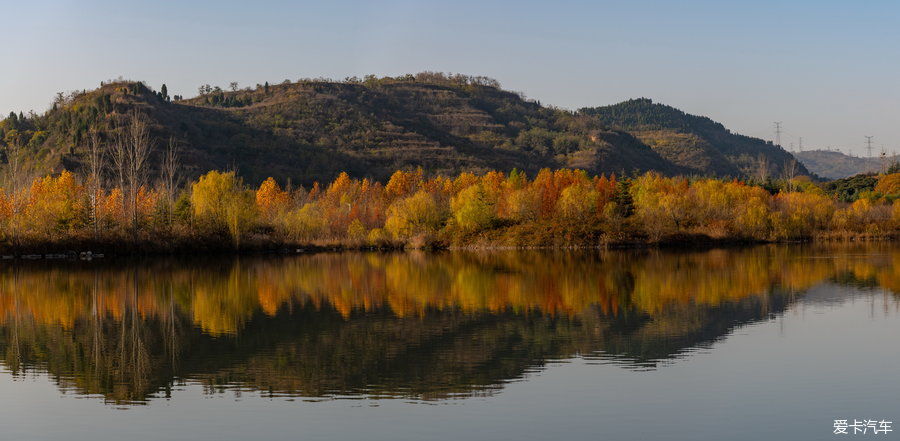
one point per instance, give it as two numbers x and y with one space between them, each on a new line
889 184
852 188
271 200
661 204
415 215
169 169
789 172
303 224
472 210
266 88
356 231
55 206
164 91
403 183
233 86
96 158
579 203
138 152
522 205
119 163
220 201
800 215
130 152
169 175
859 217
762 168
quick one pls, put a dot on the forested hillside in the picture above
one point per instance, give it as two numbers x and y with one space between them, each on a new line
696 142
311 130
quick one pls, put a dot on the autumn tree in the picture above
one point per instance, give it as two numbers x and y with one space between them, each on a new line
889 185
661 204
415 215
472 209
55 206
522 205
800 215
403 183
579 203
220 201
271 200
304 224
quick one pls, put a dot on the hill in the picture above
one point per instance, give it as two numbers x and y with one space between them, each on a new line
836 165
311 130
696 143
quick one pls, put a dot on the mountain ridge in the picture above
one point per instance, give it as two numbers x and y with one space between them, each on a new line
311 130
697 142
836 165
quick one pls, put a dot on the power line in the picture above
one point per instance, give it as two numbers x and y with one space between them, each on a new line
778 133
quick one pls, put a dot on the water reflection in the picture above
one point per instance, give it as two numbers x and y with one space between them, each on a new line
425 326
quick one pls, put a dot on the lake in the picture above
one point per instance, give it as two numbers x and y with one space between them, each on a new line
767 342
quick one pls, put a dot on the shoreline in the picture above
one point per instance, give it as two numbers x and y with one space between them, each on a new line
105 250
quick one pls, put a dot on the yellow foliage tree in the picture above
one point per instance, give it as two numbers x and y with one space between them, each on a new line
522 205
889 184
220 201
419 214
730 208
303 224
661 204
471 208
356 231
800 215
579 203
56 206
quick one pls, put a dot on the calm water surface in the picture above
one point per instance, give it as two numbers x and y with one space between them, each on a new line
767 342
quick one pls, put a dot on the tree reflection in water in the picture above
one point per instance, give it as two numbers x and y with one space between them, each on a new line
412 325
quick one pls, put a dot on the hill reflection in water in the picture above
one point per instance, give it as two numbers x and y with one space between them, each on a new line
409 325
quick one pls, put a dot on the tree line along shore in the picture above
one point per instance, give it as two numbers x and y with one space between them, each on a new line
554 208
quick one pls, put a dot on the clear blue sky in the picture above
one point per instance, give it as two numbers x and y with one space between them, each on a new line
829 70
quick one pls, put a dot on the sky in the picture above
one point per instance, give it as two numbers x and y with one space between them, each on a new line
827 70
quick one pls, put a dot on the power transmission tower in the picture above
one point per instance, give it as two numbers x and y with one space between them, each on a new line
800 148
778 133
869 146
